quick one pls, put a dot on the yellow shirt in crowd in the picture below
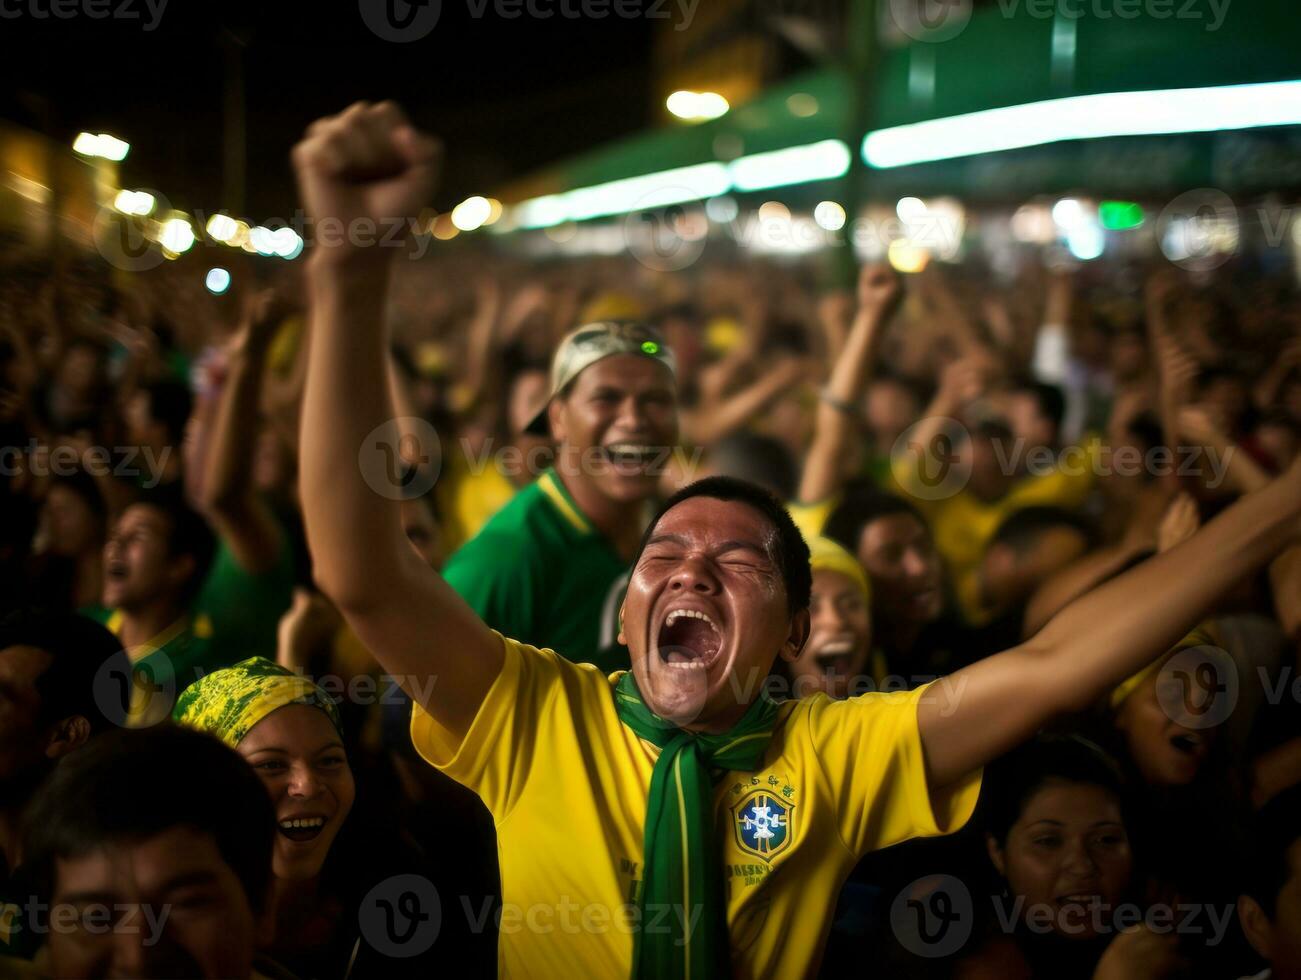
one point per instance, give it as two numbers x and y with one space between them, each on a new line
963 525
567 784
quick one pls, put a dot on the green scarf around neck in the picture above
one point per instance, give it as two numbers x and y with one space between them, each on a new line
682 912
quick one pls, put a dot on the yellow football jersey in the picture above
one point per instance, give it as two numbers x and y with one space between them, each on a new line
567 784
963 525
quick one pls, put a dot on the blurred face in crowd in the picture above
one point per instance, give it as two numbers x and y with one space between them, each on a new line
297 753
1279 441
891 408
1228 398
1128 355
616 424
1277 938
1027 420
1165 752
423 532
706 613
71 524
22 747
840 638
1068 852
175 883
138 565
1009 574
904 567
79 370
141 428
990 453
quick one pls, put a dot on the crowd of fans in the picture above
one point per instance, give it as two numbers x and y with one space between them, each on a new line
965 453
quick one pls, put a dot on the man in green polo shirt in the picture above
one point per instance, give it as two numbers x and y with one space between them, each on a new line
552 565
155 561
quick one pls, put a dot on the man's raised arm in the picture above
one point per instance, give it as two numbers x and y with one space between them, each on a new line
1104 636
359 173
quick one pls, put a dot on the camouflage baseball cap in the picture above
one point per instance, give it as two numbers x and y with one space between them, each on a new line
592 342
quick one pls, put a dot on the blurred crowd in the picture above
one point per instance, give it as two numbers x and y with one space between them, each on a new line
966 450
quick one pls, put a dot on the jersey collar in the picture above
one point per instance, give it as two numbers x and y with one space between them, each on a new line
554 490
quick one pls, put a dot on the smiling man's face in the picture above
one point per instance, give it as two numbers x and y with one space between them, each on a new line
616 424
706 613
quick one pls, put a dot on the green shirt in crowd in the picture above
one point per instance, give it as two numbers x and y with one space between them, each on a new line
245 609
540 573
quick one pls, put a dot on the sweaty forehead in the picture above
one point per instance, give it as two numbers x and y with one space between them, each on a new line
708 520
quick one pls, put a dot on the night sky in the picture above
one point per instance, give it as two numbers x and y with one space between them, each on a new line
505 95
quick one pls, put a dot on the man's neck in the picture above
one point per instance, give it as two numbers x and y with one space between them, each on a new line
618 521
142 623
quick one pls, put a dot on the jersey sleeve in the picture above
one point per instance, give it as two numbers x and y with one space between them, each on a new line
495 576
496 756
871 753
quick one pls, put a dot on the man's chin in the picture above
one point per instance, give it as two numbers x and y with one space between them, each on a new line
676 694
629 487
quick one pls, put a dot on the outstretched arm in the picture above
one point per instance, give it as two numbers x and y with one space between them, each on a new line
226 494
1104 636
839 408
365 167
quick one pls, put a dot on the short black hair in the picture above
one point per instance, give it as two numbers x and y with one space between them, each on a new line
170 403
129 785
1277 827
1049 399
78 647
757 459
1014 778
1020 529
188 533
792 552
862 503
84 486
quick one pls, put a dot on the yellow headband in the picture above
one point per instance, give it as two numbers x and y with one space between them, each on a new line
1201 636
826 555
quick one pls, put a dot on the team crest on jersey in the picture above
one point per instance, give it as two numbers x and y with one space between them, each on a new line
762 822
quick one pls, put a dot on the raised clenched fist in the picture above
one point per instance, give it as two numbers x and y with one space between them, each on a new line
363 176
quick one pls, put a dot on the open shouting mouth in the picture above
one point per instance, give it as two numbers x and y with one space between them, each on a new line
835 657
302 828
633 459
689 638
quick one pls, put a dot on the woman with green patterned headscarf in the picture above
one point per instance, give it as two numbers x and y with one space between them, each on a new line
288 729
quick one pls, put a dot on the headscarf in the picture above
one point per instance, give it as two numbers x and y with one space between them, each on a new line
229 702
829 556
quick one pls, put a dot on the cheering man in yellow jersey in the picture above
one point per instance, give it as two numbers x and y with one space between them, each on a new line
671 821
